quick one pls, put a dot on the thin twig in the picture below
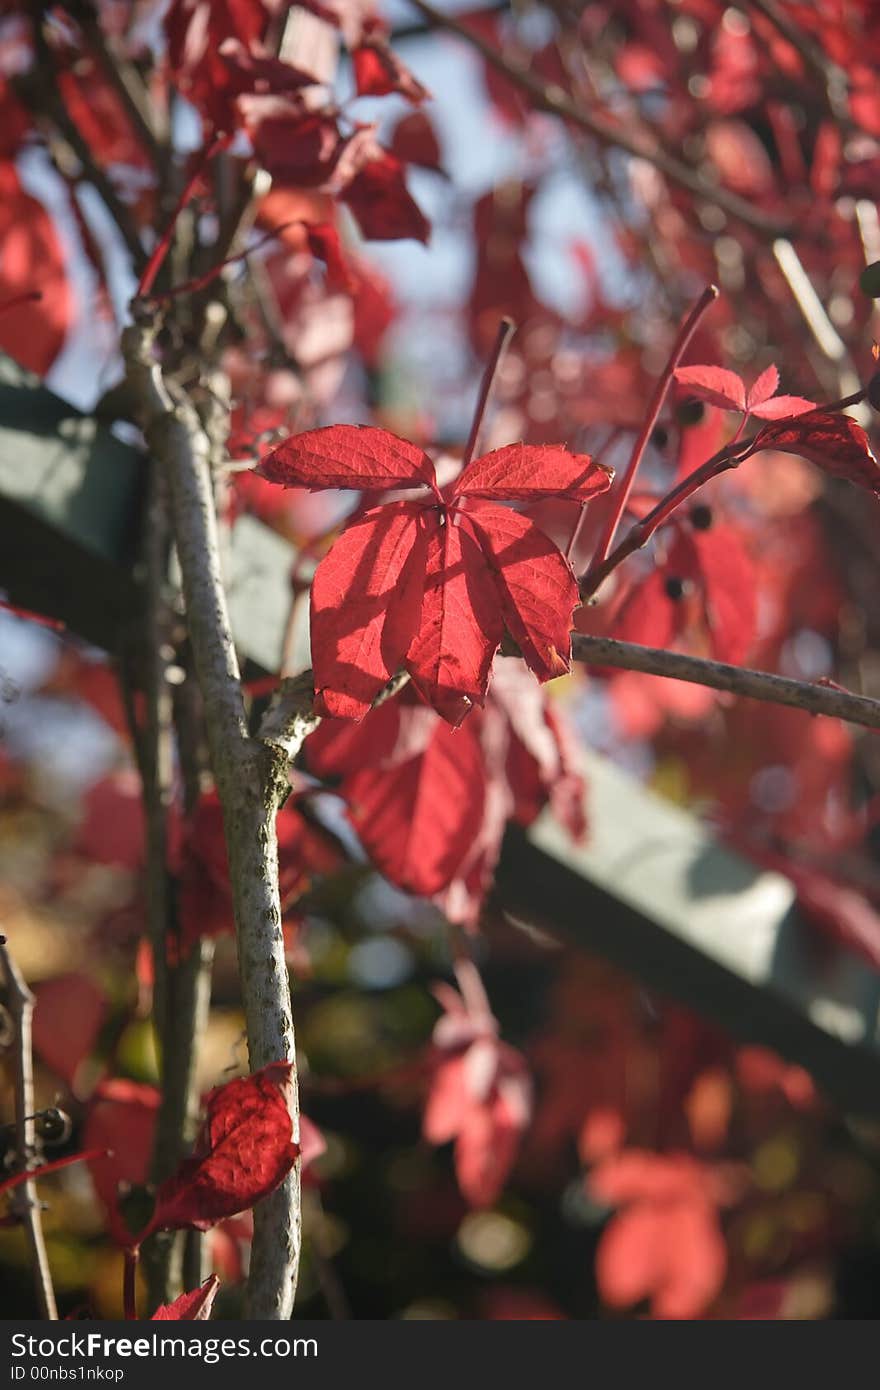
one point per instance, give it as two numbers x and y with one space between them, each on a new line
26 1203
621 493
502 337
736 680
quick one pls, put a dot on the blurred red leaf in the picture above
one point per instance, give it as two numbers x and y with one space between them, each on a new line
121 1121
480 1092
31 258
382 204
414 141
417 818
70 1011
378 71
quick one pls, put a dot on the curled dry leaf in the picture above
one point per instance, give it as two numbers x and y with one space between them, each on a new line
244 1150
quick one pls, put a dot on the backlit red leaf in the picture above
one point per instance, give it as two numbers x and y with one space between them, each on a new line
417 819
766 385
382 204
31 258
244 1150
535 586
366 603
460 627
715 385
347 456
378 71
834 442
525 472
415 141
782 408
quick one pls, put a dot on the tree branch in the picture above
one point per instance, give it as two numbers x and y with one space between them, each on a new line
736 680
251 780
26 1203
556 102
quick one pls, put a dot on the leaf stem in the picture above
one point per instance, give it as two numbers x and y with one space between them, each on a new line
505 330
621 494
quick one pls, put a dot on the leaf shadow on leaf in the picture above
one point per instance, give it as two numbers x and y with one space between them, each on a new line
357 610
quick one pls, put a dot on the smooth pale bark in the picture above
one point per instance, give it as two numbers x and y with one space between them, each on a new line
251 783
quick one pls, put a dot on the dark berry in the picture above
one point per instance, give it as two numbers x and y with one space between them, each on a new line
689 413
660 436
53 1126
674 587
701 517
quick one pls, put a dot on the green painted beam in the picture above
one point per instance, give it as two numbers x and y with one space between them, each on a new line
71 497
654 892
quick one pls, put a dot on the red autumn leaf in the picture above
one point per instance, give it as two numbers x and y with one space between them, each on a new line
480 1091
646 613
418 818
673 1254
365 589
244 1150
527 472
378 72
31 258
68 1017
382 204
763 402
339 747
667 1245
715 385
834 442
298 148
202 866
782 408
250 69
366 600
121 1123
190 1307
347 456
764 387
196 30
460 627
717 563
324 243
414 141
536 588
112 827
